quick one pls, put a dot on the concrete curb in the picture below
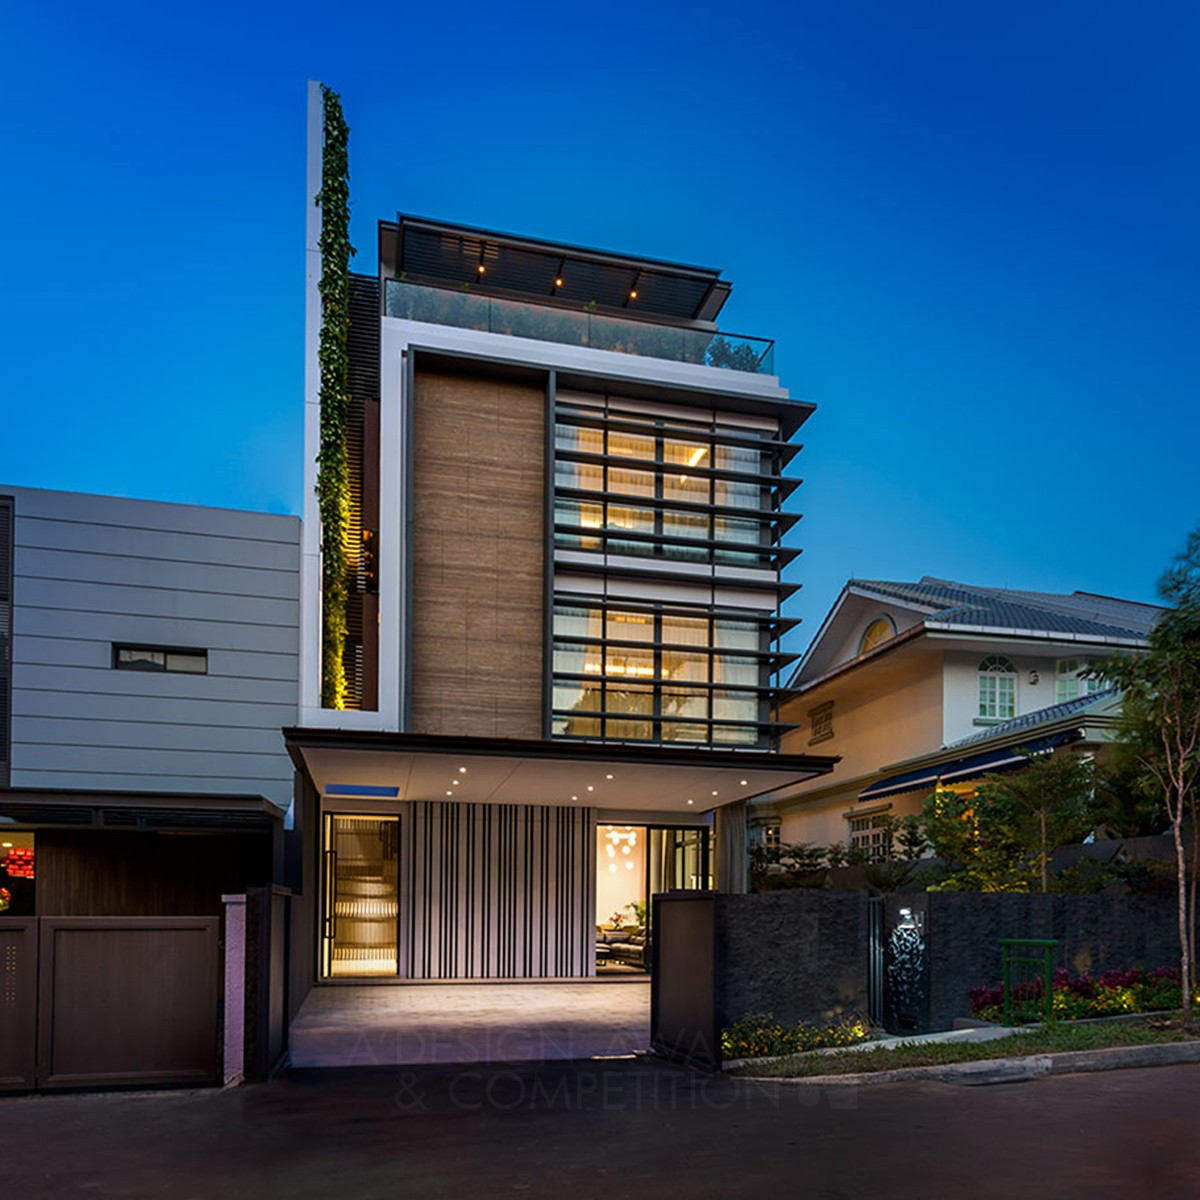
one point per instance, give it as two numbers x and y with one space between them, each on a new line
1009 1070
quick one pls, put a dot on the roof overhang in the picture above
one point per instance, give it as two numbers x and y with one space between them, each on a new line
181 811
354 766
488 261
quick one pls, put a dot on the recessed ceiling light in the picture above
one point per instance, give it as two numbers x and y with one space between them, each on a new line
608 777
7 845
715 793
633 294
455 782
449 793
576 798
742 782
590 788
481 268
558 283
691 802
462 770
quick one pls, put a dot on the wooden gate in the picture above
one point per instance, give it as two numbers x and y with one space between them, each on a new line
104 1001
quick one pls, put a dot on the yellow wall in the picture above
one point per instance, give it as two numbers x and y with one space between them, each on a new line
884 711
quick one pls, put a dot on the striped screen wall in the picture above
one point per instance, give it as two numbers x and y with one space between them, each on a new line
497 891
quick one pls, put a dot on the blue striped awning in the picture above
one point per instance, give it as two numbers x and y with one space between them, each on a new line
1003 758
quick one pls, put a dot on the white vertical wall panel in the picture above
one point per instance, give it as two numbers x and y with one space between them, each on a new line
94 571
497 891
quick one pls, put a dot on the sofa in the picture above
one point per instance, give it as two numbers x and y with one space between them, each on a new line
624 946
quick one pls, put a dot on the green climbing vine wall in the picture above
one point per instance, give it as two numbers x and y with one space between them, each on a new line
333 473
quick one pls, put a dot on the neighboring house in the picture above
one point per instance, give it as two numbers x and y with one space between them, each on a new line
934 683
567 535
148 661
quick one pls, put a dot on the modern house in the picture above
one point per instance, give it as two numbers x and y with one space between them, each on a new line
561 633
148 659
926 684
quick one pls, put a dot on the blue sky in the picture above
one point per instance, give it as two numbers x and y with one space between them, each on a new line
971 229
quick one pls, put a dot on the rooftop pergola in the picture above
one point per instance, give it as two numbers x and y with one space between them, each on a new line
424 251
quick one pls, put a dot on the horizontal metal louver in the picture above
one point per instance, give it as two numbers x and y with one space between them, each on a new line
363 384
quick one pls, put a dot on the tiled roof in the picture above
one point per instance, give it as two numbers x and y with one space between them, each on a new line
1079 613
1036 719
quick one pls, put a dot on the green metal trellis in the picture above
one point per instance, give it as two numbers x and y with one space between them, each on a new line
1028 971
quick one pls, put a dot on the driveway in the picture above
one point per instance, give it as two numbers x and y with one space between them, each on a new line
421 1024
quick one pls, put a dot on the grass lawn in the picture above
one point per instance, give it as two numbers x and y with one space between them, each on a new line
1049 1039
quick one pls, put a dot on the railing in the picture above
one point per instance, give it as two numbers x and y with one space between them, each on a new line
469 310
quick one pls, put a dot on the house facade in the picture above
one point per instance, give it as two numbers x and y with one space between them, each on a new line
561 643
148 659
916 685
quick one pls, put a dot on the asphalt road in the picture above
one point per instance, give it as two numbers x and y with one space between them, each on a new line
610 1130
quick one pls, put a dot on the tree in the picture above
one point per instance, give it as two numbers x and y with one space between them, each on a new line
1161 725
980 840
1047 803
736 356
1126 803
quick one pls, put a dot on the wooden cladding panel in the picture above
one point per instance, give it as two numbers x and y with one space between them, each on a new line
127 1000
111 873
18 1002
478 556
497 891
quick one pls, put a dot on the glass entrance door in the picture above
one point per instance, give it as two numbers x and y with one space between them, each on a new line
633 862
679 859
359 896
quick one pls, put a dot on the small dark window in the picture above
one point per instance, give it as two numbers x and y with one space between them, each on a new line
160 658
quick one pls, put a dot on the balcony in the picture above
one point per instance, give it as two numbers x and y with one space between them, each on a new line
573 327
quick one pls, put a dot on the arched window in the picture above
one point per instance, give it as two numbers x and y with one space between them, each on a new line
997 688
876 634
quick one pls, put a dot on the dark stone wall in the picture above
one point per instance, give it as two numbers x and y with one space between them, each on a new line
266 1014
1095 933
799 955
803 955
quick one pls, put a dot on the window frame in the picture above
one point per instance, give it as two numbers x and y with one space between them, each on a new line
165 651
820 722
992 672
882 620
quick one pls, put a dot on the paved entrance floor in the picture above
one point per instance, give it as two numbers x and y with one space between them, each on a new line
415 1024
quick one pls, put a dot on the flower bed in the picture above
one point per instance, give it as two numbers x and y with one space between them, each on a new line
1074 997
759 1035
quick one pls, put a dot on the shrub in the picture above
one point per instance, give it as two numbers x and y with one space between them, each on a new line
1074 997
760 1035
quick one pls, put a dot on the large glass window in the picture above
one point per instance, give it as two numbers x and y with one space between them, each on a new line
657 676
681 478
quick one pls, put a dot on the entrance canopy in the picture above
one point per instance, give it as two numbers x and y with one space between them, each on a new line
405 766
